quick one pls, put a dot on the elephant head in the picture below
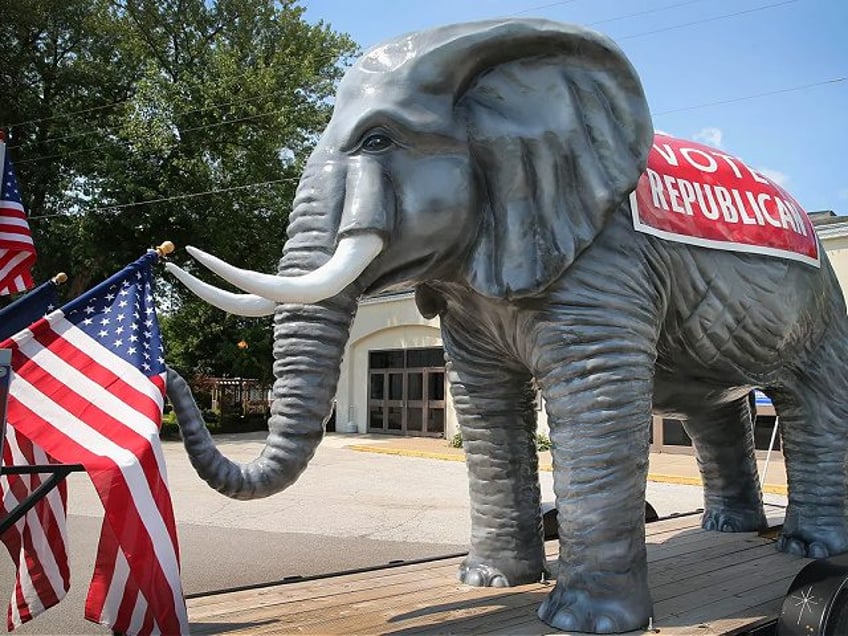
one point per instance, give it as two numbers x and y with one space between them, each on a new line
489 154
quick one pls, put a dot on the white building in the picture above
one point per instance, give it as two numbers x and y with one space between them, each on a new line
393 373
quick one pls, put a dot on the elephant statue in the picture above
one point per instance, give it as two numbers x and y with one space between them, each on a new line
493 166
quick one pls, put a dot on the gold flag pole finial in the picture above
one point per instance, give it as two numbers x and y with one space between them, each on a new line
60 278
166 248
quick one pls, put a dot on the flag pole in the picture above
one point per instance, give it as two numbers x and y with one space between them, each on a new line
2 158
5 354
5 377
60 278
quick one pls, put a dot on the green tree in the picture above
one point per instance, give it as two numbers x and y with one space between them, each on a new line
136 121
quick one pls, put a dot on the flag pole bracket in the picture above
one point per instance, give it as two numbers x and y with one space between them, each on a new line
57 473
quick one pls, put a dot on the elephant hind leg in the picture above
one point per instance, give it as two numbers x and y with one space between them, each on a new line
724 445
813 415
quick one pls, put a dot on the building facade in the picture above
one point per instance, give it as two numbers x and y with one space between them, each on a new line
393 373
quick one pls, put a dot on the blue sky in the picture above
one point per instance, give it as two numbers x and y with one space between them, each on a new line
778 67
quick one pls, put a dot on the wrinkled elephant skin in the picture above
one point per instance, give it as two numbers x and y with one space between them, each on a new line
490 164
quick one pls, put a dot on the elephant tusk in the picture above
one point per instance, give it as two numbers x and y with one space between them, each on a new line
352 256
238 304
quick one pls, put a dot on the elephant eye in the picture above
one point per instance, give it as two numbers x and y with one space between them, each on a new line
376 143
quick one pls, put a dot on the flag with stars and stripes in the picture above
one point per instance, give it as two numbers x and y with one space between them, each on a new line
38 542
17 252
88 387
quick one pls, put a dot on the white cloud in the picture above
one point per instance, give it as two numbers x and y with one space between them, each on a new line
778 177
709 135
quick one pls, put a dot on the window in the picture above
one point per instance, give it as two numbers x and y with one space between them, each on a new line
406 394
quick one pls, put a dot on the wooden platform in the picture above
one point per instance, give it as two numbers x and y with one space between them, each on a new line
702 583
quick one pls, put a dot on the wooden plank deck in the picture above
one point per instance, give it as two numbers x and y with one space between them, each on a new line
702 583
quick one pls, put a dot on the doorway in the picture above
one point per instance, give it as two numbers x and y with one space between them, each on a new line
406 392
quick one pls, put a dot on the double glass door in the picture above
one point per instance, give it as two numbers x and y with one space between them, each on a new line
406 392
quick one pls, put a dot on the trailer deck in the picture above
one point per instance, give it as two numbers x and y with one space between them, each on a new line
702 583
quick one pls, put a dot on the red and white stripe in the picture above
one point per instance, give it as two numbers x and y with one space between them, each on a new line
38 542
17 252
84 404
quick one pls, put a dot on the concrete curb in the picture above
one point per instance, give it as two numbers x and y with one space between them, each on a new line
773 489
683 480
449 457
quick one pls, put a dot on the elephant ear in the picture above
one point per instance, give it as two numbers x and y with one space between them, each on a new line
559 130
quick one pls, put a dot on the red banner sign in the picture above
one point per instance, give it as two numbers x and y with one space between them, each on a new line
691 193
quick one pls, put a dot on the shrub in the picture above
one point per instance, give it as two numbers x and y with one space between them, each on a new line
543 442
169 429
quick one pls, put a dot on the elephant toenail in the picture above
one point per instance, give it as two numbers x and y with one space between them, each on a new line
817 551
606 625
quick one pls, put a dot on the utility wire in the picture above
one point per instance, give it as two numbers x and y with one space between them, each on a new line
320 59
646 12
705 20
76 112
543 6
242 187
637 35
732 100
177 197
834 80
330 58
178 114
185 130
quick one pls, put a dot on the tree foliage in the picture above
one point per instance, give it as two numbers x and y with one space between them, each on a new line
136 121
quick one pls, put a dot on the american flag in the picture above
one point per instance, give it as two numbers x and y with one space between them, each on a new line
17 253
88 387
38 542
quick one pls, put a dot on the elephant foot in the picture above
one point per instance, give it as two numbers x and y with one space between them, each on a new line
506 573
814 540
730 519
573 610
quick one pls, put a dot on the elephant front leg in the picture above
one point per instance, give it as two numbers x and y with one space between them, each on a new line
497 417
599 414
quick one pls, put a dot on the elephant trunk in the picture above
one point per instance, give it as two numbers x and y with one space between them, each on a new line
309 341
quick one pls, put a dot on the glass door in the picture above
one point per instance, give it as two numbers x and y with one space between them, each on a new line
406 392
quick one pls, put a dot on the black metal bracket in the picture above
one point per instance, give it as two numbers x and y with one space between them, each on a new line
57 473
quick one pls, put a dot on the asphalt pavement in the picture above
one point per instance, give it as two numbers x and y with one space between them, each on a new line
350 509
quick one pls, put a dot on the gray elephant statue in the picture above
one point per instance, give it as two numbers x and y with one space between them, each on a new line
494 166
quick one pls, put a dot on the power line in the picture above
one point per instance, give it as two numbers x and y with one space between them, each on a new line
646 12
332 57
834 80
705 20
320 59
664 112
78 112
185 130
177 197
231 121
190 195
227 122
544 6
179 114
